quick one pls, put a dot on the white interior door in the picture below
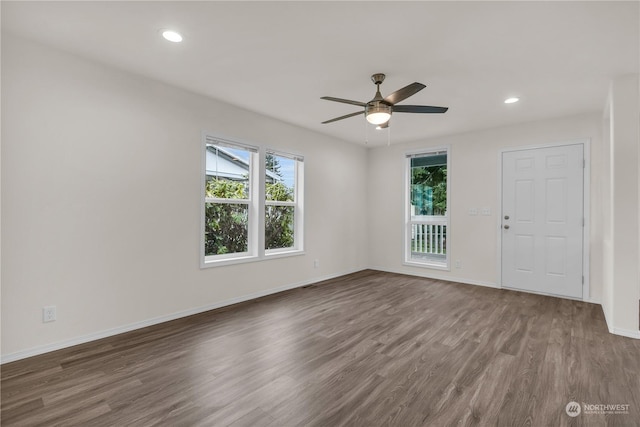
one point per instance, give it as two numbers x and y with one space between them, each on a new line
543 220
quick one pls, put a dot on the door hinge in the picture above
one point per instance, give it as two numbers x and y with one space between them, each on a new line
583 280
583 222
584 163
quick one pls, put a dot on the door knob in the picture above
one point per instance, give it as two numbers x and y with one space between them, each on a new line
506 217
506 227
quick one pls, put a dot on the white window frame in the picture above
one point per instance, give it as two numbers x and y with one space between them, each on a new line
256 202
408 222
298 199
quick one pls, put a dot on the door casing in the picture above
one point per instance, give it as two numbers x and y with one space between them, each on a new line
586 142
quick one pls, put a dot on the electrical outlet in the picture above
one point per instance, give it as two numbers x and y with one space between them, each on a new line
49 314
473 211
486 211
458 264
316 263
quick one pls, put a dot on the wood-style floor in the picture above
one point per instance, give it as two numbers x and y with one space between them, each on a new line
365 349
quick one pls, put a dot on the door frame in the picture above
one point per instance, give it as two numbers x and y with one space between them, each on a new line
586 210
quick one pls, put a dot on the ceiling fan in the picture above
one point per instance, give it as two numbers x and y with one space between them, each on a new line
378 110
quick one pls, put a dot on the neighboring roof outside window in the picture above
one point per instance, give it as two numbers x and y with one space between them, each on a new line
229 166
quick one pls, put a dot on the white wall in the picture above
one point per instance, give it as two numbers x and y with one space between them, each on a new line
101 200
473 183
622 215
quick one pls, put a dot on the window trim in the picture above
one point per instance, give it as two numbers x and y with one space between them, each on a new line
406 256
256 202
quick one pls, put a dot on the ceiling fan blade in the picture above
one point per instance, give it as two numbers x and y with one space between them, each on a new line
418 109
404 93
344 101
343 117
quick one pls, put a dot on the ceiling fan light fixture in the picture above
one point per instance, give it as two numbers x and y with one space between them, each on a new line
512 100
378 118
378 114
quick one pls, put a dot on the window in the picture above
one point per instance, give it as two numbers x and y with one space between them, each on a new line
282 210
427 201
229 199
251 209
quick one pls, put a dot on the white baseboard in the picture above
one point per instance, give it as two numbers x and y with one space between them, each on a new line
429 275
625 333
34 351
620 331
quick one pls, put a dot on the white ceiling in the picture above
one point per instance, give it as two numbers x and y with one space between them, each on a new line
279 58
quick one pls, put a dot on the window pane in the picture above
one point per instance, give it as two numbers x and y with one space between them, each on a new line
280 178
226 228
429 185
227 172
279 227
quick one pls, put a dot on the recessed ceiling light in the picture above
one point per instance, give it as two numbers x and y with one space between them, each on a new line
511 100
172 36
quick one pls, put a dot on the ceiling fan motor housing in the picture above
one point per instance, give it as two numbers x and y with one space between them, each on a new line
378 107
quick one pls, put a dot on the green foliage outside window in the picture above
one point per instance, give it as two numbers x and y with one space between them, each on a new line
279 220
429 189
272 164
226 224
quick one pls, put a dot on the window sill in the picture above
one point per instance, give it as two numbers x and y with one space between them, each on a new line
427 265
250 258
228 261
283 253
